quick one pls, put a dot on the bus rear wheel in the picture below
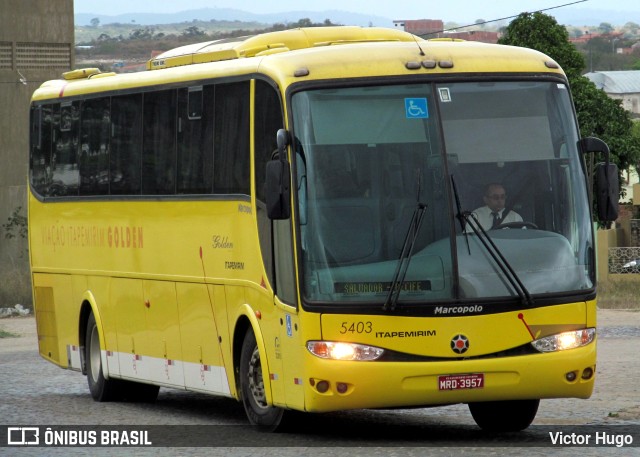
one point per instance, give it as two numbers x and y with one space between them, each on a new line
101 389
504 416
252 388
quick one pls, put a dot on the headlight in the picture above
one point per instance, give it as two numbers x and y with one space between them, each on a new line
344 351
565 340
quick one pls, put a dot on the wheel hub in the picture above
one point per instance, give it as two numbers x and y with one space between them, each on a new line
256 382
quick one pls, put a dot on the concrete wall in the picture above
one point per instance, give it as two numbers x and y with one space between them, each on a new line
630 102
36 44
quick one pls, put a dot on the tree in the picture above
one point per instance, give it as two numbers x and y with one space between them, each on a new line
16 226
95 22
541 32
141 34
193 31
632 27
480 23
304 22
606 28
598 115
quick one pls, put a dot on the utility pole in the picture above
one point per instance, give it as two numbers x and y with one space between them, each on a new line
590 51
613 49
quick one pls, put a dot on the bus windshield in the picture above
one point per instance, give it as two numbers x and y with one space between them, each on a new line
367 158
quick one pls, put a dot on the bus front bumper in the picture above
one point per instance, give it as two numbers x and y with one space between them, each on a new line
332 385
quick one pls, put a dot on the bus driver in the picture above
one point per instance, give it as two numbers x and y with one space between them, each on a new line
494 213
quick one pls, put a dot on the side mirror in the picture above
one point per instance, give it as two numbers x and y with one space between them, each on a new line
607 184
607 191
278 180
592 144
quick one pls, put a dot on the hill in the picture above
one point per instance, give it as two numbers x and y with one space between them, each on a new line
571 16
234 15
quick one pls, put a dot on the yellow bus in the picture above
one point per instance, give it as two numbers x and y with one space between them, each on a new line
293 220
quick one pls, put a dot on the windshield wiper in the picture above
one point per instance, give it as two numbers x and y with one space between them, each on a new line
461 218
467 218
405 257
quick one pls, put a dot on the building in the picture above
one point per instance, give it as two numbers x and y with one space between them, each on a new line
620 85
36 44
434 28
475 35
425 28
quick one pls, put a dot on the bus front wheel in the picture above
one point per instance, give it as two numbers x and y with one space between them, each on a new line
252 388
504 416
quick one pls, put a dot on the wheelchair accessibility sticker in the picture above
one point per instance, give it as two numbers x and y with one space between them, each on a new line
416 108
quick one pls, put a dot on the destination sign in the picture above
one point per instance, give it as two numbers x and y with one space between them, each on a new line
379 287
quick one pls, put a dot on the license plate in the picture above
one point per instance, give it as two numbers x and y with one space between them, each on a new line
461 381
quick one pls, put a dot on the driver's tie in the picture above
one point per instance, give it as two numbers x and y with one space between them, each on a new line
496 219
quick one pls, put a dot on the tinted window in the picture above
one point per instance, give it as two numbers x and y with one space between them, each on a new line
268 119
195 140
126 144
158 139
231 148
95 132
41 156
192 140
64 171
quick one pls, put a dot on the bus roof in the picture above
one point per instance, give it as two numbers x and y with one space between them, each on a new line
273 43
311 54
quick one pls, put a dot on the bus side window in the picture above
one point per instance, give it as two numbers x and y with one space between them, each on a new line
41 151
267 121
194 102
64 174
159 143
126 144
231 163
95 133
195 140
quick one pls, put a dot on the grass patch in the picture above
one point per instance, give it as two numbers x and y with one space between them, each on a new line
619 295
5 334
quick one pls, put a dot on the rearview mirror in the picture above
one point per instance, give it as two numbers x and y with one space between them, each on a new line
607 191
607 184
278 181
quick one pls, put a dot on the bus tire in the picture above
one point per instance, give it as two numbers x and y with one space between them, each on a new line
504 416
101 389
252 389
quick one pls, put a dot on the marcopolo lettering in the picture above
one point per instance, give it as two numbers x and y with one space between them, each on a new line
458 309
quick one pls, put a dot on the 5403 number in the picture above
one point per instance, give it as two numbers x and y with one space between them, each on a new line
356 327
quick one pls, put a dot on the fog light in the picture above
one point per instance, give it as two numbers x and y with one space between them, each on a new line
341 387
571 376
322 386
587 373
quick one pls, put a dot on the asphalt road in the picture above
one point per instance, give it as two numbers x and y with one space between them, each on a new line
34 392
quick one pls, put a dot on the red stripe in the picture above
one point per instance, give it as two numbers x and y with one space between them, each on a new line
62 90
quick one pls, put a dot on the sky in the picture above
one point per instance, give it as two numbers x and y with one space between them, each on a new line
447 10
